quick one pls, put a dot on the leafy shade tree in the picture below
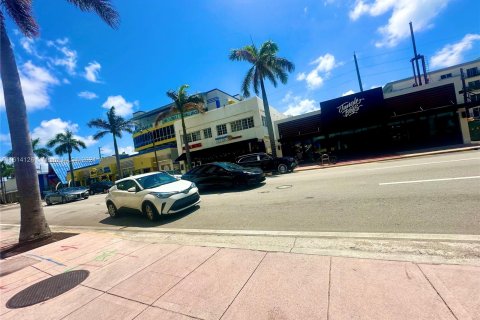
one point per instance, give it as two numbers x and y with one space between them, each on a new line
114 125
41 153
183 102
265 65
65 144
33 224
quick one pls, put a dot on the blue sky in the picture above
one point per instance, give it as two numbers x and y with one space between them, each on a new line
79 66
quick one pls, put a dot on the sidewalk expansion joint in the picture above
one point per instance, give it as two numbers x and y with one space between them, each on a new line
251 275
329 287
438 293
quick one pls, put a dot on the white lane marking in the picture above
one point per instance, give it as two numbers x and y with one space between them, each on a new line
421 164
428 180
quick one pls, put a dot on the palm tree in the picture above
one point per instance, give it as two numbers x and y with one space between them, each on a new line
33 224
114 125
182 102
41 153
266 64
66 144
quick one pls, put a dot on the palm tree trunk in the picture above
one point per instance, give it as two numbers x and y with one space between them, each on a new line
72 176
268 119
117 158
185 142
33 224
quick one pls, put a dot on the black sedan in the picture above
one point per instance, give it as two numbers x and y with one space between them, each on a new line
66 195
100 187
224 174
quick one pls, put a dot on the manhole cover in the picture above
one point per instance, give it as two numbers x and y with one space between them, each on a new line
285 186
47 289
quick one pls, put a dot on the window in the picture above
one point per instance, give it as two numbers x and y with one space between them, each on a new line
264 121
248 159
472 72
445 76
221 129
474 85
157 135
196 136
125 185
242 124
207 133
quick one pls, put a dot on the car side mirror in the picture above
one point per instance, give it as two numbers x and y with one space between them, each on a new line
132 189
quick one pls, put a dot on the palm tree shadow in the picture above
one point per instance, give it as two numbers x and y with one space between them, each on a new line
132 218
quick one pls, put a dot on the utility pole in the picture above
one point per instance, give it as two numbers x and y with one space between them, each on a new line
155 151
358 72
99 152
415 56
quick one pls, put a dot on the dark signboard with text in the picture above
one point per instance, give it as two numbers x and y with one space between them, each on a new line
354 111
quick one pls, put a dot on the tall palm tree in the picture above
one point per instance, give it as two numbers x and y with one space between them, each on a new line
41 153
66 143
182 102
33 224
265 64
114 125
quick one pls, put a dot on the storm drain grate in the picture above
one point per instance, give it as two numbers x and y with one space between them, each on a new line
47 289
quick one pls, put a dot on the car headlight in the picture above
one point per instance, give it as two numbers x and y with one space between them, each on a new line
193 185
163 195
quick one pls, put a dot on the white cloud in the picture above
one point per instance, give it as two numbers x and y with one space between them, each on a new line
107 151
127 150
49 128
122 107
68 58
349 92
452 54
27 44
420 12
36 84
5 139
92 70
297 105
87 95
323 66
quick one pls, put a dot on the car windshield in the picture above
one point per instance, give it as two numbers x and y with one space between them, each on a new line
155 180
230 166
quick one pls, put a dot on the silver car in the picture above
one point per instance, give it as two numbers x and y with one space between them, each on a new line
152 194
66 195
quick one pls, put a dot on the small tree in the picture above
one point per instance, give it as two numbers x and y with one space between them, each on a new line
266 64
114 125
66 143
183 101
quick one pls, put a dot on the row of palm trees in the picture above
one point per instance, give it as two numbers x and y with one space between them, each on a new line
265 65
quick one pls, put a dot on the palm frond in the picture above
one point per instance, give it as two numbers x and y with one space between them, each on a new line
9 154
61 149
100 134
21 12
99 123
245 54
256 81
172 95
42 153
269 48
281 74
103 8
267 72
284 64
247 81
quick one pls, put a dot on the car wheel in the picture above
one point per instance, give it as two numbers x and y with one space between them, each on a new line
64 200
112 210
91 192
282 168
150 211
48 202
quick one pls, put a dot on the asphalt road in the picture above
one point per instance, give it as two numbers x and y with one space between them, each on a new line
429 194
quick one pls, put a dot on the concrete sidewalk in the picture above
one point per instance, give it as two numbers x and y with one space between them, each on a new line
146 280
403 155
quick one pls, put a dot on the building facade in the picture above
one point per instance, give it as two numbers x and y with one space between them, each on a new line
402 116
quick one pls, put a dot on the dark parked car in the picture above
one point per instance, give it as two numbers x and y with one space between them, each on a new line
66 194
224 174
267 162
100 187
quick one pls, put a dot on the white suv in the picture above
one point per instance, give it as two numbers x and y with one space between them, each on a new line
152 194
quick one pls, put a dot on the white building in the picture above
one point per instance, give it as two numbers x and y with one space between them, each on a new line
229 127
224 133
